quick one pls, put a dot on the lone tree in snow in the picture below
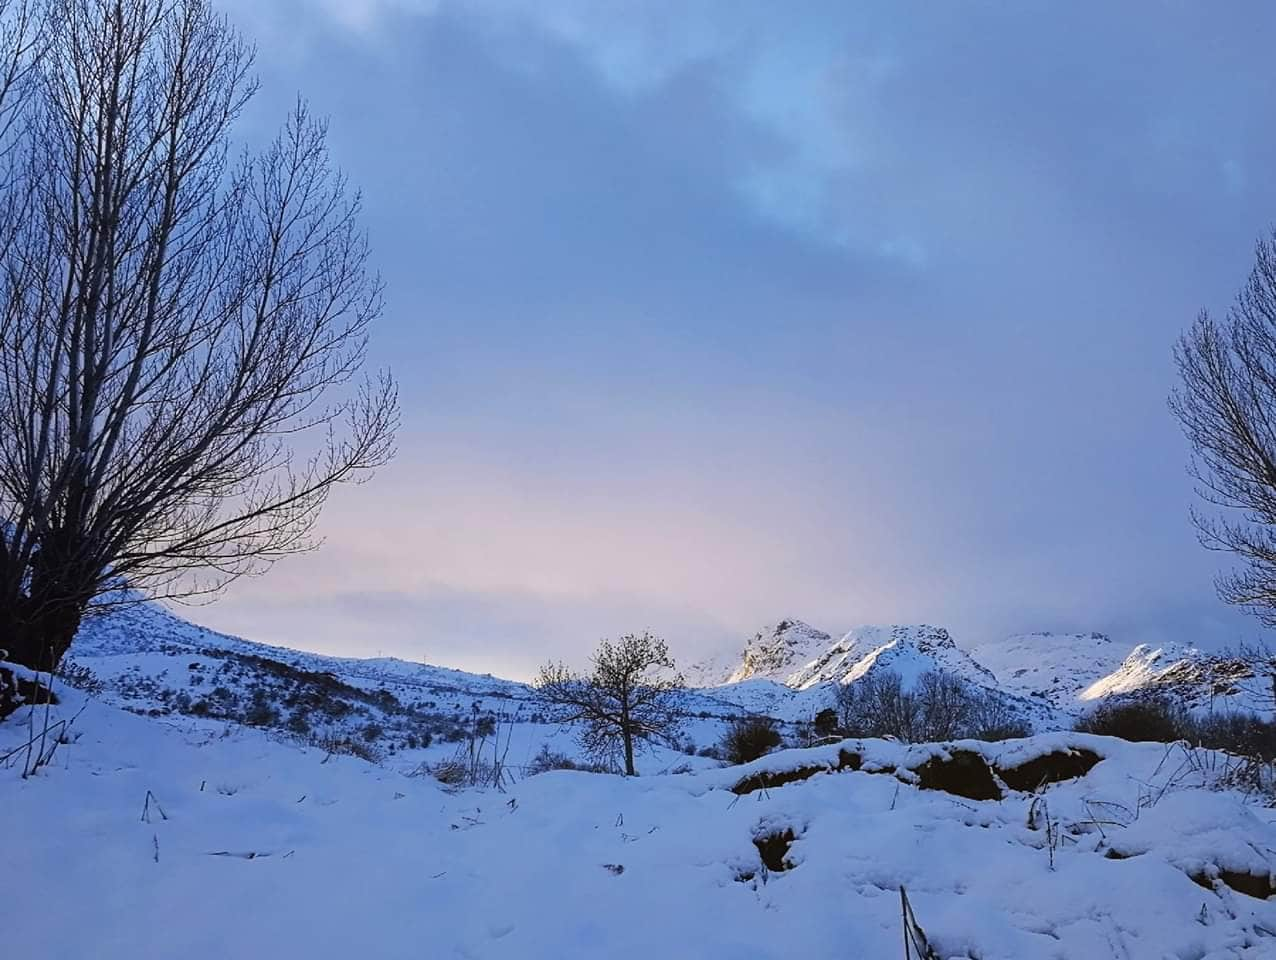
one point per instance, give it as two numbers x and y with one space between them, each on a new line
1226 404
183 326
630 696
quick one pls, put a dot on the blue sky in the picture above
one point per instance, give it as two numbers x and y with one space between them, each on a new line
711 314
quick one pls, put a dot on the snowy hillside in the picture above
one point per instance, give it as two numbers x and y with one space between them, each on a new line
149 660
1201 680
177 838
1056 667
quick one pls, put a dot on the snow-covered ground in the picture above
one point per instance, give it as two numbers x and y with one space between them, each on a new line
251 846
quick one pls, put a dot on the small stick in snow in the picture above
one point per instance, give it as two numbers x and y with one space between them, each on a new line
155 841
146 808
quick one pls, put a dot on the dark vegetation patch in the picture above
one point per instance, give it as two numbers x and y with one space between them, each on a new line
1050 768
765 779
19 691
1139 721
1163 720
750 738
963 773
773 848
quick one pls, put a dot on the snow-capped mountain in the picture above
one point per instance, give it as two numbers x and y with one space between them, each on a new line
906 650
775 651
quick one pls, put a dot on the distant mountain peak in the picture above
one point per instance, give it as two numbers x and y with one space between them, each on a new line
776 651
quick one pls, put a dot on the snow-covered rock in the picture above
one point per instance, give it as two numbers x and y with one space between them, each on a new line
906 650
774 652
1200 680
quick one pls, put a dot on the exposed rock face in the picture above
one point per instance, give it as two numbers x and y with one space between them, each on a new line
1196 678
777 651
907 650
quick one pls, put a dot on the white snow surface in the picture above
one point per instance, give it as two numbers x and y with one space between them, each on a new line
254 847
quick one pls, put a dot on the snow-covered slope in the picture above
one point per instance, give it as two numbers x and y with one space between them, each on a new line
1055 667
1200 680
150 660
176 838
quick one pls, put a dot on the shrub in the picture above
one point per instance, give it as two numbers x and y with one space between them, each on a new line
450 773
261 712
1245 734
372 732
81 677
825 723
749 738
1152 719
547 760
348 746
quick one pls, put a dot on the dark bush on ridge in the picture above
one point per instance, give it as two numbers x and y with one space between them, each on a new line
1241 733
749 738
1154 719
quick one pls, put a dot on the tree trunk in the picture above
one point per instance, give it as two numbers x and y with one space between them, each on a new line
629 753
40 642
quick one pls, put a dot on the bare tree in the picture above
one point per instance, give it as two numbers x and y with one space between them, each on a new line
940 706
1226 404
183 327
630 696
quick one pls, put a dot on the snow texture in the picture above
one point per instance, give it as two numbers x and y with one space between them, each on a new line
179 837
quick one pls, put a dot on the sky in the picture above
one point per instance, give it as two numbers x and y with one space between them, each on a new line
711 314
